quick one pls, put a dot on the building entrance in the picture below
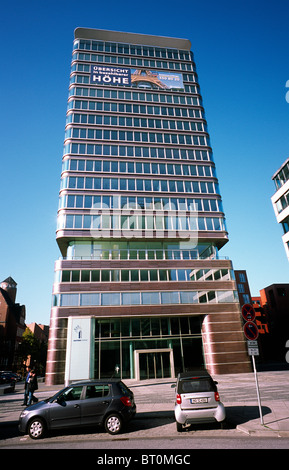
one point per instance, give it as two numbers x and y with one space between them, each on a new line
154 364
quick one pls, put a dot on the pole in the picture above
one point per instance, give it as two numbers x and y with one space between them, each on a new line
257 388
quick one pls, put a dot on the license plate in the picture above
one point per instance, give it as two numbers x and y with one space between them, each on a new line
199 400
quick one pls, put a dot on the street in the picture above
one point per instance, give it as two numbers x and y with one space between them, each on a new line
154 426
122 443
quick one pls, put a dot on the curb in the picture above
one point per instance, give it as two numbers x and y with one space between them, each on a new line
258 432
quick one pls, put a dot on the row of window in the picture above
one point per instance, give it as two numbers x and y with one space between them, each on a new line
134 96
135 136
133 184
115 166
147 185
132 136
139 275
130 49
139 62
138 137
148 326
146 249
192 89
138 327
144 152
100 222
143 298
98 119
121 121
139 203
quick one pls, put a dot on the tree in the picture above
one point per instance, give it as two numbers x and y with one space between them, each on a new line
31 347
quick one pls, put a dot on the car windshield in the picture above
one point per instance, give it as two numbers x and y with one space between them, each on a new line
196 385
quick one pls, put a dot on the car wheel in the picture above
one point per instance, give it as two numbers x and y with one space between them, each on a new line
179 427
36 428
113 424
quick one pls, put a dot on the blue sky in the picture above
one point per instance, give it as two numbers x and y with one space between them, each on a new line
241 51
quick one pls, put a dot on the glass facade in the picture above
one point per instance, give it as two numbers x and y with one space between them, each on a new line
280 201
140 218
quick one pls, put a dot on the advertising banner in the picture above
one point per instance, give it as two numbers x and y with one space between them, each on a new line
138 78
157 79
103 75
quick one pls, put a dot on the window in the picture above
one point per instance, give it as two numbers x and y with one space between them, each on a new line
89 299
195 386
69 300
96 391
246 299
85 276
105 276
95 276
189 297
170 297
131 298
65 276
72 393
110 299
281 292
150 298
242 277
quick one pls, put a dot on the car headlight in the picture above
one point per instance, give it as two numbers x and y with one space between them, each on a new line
24 413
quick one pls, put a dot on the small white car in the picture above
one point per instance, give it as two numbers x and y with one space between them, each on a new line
197 400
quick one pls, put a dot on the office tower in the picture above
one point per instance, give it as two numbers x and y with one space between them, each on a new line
140 289
280 201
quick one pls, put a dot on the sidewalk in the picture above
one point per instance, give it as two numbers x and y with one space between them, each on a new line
243 415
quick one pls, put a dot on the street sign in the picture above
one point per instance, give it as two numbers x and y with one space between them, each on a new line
252 344
251 331
253 351
248 312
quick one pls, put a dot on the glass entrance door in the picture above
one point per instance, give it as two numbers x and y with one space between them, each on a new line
154 365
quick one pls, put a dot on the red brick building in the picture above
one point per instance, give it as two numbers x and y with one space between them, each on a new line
12 323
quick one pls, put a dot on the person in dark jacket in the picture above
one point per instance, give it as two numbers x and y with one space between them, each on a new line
26 391
32 386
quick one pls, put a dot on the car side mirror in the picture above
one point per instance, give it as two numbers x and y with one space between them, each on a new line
60 400
173 385
215 382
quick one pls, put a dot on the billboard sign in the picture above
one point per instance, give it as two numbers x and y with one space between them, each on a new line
142 78
103 75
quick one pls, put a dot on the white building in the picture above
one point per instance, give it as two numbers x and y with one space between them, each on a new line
280 201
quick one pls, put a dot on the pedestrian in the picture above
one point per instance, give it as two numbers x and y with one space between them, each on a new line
32 386
26 392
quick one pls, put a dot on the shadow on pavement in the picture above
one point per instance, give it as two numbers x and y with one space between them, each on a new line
236 415
242 414
8 430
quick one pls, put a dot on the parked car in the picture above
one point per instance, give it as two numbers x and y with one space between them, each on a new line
87 403
18 377
197 400
8 378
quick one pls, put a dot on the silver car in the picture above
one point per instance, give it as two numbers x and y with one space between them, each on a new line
197 400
